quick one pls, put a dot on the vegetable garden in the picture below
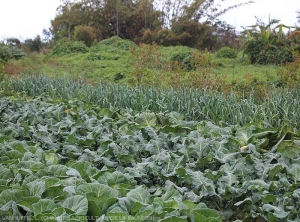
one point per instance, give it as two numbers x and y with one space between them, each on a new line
180 144
77 158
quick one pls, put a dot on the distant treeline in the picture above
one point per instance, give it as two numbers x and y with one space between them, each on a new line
191 23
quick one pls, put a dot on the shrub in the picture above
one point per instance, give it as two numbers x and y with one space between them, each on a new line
290 73
65 47
193 60
144 60
118 43
8 52
253 49
263 54
226 52
185 59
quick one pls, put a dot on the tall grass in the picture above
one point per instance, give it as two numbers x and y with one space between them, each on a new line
277 108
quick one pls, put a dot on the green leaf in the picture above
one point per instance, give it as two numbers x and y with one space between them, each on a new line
44 206
206 215
55 192
146 119
85 169
58 171
275 211
115 178
96 189
140 195
10 195
289 148
6 173
36 188
171 194
205 186
294 171
77 204
51 157
32 165
243 135
28 201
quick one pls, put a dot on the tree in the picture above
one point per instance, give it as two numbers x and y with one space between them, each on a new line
70 14
266 44
34 45
13 42
187 22
174 11
85 34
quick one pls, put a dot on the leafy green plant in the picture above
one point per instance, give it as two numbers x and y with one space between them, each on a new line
226 52
276 107
8 52
65 47
76 161
267 45
185 59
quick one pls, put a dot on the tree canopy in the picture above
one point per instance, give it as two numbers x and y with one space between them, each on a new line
193 23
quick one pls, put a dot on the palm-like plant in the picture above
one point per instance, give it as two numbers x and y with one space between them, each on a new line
262 38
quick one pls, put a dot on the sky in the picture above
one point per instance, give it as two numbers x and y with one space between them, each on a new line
27 18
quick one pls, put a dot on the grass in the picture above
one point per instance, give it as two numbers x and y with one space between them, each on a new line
109 60
237 70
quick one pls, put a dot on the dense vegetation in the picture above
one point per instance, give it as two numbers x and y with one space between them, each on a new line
192 23
73 161
100 128
276 109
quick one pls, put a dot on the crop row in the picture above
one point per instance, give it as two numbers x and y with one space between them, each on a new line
73 161
276 109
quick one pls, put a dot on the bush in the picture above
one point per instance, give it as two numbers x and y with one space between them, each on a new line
186 59
226 52
253 49
65 47
117 42
8 52
290 73
276 56
263 54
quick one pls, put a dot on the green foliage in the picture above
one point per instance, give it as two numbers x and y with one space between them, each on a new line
85 34
80 161
290 73
226 52
262 54
268 45
185 59
118 43
145 59
145 21
274 109
8 52
2 73
33 45
65 47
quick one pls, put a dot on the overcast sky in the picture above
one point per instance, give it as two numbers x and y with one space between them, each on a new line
27 18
